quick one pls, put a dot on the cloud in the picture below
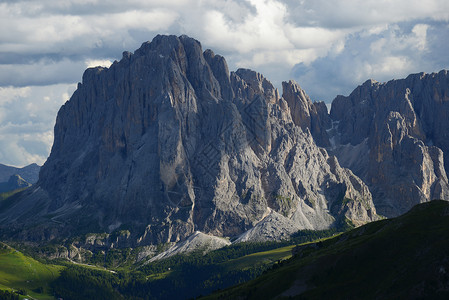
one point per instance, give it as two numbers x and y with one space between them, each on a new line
386 53
42 72
327 46
27 117
90 63
44 36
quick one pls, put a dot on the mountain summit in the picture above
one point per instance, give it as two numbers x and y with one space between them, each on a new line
395 136
167 142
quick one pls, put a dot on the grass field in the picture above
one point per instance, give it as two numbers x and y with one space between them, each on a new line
259 258
20 272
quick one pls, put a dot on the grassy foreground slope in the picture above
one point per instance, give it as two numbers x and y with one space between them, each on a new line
402 258
258 259
5 195
20 272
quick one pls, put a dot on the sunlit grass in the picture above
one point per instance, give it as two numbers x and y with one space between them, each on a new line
18 271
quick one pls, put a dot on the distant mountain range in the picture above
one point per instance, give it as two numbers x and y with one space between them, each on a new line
15 182
170 146
29 173
12 178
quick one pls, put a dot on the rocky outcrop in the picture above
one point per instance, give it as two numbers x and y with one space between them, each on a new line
167 142
197 242
274 227
15 182
394 136
305 114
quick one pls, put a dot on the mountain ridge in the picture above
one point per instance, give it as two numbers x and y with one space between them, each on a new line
403 124
167 142
15 182
30 172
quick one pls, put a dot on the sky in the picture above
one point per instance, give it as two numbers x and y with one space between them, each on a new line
328 47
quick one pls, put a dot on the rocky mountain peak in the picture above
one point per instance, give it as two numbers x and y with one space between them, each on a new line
166 142
305 114
392 141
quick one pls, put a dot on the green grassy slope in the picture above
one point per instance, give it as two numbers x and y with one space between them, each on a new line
402 258
258 259
5 195
20 272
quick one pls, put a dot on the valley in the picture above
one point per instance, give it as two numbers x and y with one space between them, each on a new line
178 277
171 177
400 257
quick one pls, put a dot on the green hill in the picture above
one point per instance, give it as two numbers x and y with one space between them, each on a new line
22 273
402 258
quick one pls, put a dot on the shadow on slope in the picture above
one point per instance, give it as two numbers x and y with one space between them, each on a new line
405 257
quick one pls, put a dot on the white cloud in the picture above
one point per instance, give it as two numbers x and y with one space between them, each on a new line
9 94
253 32
386 53
27 117
262 30
90 63
420 31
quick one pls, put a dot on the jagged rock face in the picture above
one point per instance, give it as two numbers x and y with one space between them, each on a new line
395 137
168 142
196 242
306 114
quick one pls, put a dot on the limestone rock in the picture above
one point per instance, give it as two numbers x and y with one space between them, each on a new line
166 142
196 242
274 227
306 114
394 136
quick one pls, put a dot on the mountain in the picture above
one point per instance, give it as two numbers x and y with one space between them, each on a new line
167 142
195 242
12 178
401 258
403 126
391 135
29 173
168 146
